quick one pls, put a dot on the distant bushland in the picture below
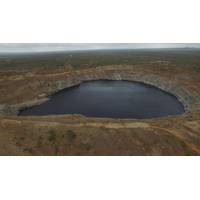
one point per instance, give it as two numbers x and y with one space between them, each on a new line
92 58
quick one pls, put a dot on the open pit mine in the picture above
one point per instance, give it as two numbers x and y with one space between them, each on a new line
76 134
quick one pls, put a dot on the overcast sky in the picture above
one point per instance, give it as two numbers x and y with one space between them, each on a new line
38 47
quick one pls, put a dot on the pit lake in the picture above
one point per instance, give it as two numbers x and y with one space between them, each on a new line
113 99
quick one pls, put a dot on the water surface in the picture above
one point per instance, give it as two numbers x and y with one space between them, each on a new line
116 99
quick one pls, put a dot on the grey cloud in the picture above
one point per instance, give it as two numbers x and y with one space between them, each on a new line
40 47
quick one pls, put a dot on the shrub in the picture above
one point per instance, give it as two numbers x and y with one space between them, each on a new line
51 135
71 136
86 146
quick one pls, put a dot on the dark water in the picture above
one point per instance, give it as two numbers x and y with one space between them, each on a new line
116 99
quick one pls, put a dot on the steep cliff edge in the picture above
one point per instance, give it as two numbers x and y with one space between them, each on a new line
33 89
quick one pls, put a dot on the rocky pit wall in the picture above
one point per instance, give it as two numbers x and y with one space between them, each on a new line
47 84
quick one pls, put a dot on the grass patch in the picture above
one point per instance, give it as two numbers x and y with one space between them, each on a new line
86 146
70 135
51 135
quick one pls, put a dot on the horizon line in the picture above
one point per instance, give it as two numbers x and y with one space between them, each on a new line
95 49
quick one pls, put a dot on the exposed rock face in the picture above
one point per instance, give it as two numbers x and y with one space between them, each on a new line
50 83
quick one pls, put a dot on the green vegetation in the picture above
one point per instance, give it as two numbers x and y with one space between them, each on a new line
87 59
86 146
70 135
51 135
